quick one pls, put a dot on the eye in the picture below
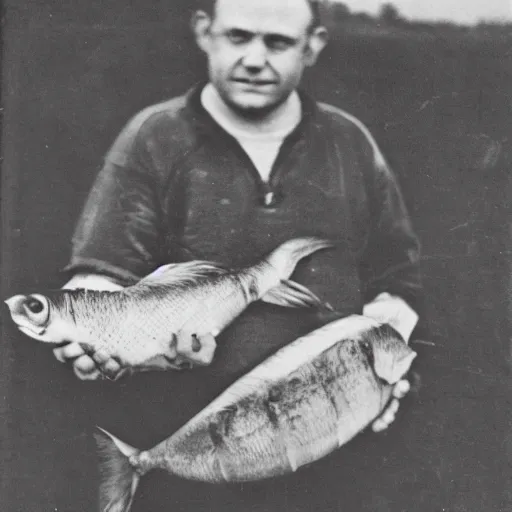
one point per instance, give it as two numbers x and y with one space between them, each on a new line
37 309
238 36
34 305
278 43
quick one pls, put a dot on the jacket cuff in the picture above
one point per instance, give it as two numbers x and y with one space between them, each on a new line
393 310
93 266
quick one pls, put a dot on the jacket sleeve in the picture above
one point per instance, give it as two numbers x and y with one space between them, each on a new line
390 260
119 229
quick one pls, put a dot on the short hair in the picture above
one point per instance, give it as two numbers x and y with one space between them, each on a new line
209 7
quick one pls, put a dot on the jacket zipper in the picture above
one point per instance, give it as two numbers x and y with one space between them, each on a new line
268 190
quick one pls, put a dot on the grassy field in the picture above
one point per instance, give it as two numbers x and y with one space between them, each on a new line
440 106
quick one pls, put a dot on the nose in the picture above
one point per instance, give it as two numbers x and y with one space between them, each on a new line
255 56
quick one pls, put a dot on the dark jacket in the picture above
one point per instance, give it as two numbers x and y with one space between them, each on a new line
175 187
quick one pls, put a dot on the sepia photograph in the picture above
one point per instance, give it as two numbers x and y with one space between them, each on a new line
256 256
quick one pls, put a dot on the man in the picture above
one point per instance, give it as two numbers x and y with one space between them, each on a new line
237 166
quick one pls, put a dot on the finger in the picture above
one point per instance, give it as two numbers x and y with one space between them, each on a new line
181 364
85 364
383 423
208 345
67 352
172 349
187 344
111 369
109 366
85 369
387 417
121 373
96 375
393 407
389 414
379 425
199 349
401 388
100 357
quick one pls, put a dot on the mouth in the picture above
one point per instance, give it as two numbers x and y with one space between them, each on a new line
29 330
254 82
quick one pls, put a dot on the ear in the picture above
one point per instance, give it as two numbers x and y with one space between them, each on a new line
317 41
201 23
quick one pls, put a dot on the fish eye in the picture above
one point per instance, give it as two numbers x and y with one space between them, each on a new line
34 305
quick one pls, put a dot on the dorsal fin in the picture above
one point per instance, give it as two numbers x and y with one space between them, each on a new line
176 274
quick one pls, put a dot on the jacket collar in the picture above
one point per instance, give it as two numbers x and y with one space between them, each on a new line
205 123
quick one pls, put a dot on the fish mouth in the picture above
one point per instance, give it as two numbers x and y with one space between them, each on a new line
30 331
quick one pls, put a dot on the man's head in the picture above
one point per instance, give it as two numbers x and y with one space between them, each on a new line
257 50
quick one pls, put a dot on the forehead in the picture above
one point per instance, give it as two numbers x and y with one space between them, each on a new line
291 17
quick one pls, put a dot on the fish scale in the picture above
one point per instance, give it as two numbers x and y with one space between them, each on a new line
302 403
138 325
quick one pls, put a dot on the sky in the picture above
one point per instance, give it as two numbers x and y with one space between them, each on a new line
460 11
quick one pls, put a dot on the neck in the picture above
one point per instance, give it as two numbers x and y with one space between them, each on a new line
282 118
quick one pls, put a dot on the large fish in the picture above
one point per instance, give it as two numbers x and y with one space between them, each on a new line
305 401
138 325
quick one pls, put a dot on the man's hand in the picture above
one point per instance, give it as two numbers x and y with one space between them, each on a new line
188 351
395 311
89 366
401 388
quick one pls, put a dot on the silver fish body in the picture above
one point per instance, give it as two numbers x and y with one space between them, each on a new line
302 403
138 325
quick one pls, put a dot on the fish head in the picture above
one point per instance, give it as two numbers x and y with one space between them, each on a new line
31 313
37 316
392 357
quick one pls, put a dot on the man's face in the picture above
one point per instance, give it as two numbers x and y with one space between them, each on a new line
257 51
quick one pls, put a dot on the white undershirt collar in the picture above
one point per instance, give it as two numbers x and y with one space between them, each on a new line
260 140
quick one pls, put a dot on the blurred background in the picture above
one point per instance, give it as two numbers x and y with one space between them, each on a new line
433 82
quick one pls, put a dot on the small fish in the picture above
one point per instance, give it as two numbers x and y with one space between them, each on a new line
138 326
305 401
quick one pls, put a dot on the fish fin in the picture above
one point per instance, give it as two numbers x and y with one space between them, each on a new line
392 366
327 315
294 295
181 273
285 258
119 479
292 458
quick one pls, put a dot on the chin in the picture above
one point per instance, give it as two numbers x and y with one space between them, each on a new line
253 107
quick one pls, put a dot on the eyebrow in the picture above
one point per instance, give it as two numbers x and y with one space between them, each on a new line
281 37
266 35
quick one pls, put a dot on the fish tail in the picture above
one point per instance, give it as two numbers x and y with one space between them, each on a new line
285 258
294 295
118 475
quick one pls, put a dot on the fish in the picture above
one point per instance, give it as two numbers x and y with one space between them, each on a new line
138 326
302 403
